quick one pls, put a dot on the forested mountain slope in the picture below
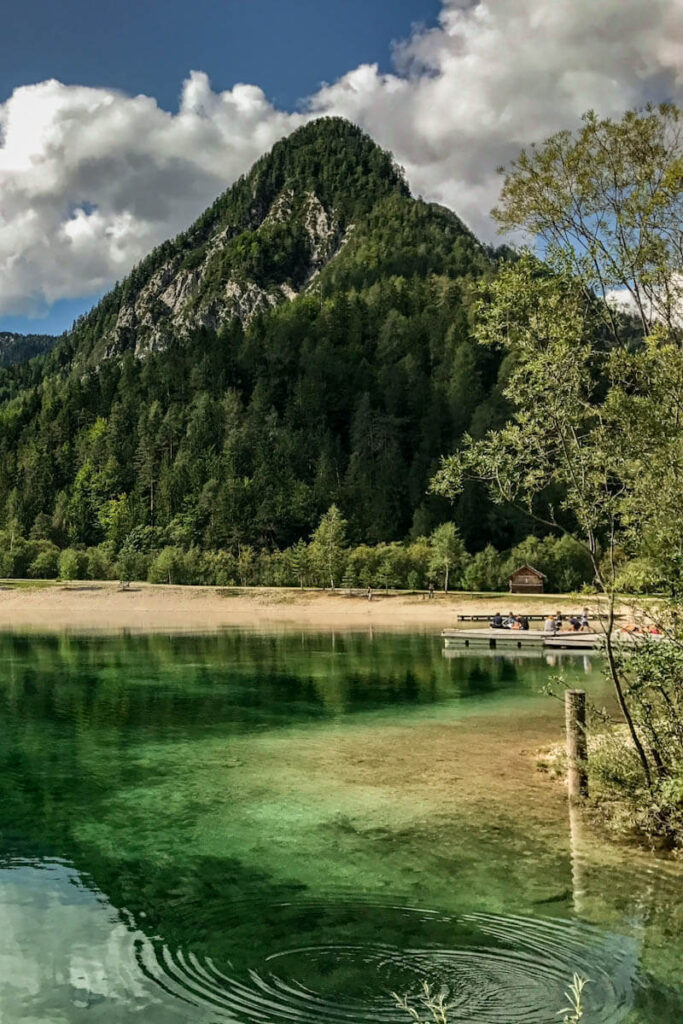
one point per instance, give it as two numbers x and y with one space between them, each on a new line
305 342
19 348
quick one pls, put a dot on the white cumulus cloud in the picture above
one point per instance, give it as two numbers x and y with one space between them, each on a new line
91 179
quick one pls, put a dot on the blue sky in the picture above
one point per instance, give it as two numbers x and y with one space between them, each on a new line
125 146
286 46
53 320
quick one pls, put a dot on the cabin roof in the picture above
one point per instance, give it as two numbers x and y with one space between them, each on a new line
528 568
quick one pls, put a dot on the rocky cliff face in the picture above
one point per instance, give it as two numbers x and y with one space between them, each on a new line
179 298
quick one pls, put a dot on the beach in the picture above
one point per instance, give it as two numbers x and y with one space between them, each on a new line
144 607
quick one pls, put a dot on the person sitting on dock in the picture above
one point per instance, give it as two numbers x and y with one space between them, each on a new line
522 622
550 624
575 623
497 621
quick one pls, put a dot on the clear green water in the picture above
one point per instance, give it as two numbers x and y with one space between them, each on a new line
289 828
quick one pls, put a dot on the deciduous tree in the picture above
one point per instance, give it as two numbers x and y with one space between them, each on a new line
327 546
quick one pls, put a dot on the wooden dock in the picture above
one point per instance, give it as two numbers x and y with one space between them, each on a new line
518 639
534 618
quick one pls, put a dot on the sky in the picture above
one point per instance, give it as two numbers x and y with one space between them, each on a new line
121 121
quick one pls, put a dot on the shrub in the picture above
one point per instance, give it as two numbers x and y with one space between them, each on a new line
362 566
132 565
485 571
99 563
15 555
72 564
168 566
45 565
621 798
221 568
194 567
638 577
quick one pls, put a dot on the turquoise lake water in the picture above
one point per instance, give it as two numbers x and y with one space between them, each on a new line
289 828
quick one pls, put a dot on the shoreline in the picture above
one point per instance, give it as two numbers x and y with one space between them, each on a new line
86 606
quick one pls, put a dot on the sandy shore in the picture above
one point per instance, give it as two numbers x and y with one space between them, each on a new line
87 606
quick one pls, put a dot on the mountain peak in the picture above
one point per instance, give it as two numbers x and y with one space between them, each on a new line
261 242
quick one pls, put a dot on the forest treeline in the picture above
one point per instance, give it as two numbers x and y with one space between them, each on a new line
326 560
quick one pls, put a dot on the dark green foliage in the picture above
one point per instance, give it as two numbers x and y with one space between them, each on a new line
246 438
19 348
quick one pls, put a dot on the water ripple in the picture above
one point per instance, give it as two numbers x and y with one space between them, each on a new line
491 970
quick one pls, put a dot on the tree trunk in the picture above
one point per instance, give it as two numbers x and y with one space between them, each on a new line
614 674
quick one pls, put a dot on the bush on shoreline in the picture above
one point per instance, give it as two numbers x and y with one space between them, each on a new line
619 798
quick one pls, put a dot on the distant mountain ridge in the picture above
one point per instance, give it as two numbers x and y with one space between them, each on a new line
19 348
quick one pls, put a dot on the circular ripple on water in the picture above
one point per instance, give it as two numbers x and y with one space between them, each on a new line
499 970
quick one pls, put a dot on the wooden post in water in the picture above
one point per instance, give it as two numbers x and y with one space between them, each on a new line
577 752
576 856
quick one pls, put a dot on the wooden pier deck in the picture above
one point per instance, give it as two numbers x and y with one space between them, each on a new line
541 617
508 639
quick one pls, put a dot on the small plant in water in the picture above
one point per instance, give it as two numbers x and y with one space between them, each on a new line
433 1006
573 1012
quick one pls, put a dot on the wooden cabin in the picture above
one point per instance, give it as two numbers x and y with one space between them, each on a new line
526 580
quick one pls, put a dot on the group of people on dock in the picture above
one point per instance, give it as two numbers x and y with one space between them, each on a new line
553 623
574 624
512 621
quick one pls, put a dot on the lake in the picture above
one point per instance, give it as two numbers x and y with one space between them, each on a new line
292 827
